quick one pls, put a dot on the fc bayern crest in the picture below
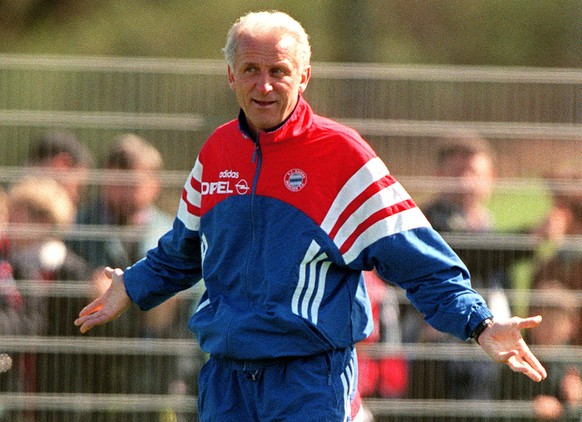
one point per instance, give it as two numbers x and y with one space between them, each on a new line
295 180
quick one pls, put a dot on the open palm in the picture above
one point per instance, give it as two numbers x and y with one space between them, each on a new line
109 306
503 342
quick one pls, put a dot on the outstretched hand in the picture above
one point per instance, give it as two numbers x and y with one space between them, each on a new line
108 306
503 342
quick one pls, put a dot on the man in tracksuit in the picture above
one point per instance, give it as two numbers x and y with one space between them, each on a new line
281 213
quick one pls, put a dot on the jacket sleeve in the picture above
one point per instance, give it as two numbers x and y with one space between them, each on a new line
436 281
176 263
386 230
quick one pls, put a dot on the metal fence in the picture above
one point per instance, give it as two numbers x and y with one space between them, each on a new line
142 367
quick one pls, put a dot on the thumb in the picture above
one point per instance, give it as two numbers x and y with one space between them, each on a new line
108 271
530 322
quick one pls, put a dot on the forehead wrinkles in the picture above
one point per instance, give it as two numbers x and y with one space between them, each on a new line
269 49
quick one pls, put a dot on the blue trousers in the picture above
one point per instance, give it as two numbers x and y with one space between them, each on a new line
312 388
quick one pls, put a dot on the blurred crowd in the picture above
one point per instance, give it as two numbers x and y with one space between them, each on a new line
52 233
465 166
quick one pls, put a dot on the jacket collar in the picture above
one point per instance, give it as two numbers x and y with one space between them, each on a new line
298 122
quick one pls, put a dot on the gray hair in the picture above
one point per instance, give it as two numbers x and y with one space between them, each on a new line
264 22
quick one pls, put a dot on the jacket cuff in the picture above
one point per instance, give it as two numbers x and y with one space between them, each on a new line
478 315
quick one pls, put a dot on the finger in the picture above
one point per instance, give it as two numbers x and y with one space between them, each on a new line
536 372
524 362
90 321
539 368
87 325
530 322
82 322
518 365
505 356
534 363
91 308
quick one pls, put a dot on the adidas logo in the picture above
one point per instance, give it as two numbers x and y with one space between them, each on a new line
228 174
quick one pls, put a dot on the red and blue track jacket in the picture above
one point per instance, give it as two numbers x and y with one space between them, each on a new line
280 227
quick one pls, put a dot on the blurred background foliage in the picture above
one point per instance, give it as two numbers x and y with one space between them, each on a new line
544 33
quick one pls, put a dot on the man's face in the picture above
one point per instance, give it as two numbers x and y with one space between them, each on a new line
130 193
474 172
267 79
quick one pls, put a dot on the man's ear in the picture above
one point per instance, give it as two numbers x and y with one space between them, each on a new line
230 77
305 76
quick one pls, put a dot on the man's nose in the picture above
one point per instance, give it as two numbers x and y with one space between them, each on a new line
264 83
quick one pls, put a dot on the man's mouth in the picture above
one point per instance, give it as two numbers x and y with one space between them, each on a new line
263 103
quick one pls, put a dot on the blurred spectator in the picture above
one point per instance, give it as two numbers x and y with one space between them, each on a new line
385 376
565 216
66 159
555 260
556 397
126 199
10 297
40 211
466 167
12 320
11 306
126 206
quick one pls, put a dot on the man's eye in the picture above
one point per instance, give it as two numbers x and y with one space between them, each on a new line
278 72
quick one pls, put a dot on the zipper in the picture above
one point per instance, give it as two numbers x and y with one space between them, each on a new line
257 151
258 159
